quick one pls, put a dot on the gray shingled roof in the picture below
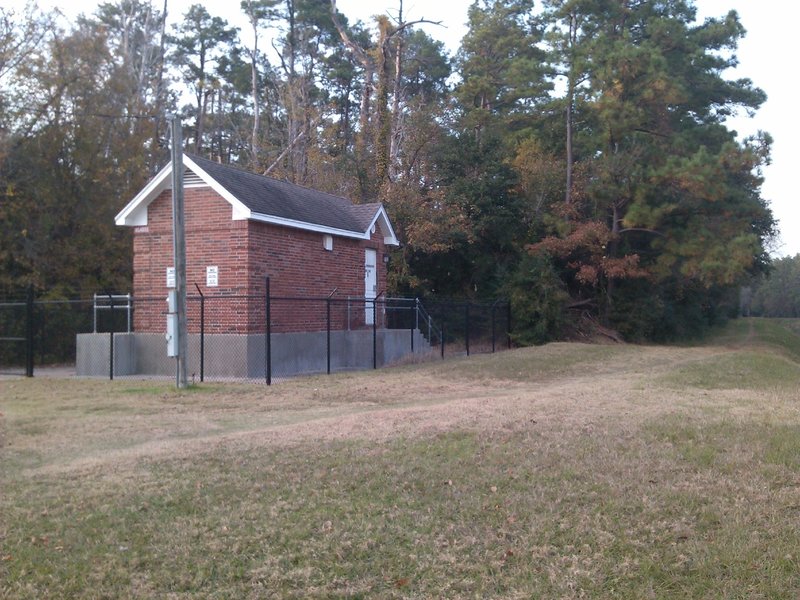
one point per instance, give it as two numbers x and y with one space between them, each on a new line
364 213
267 196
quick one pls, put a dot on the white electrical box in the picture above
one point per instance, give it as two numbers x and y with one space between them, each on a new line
172 324
172 335
172 301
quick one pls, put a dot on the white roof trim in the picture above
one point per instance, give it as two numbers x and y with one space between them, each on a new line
135 212
389 238
308 226
240 211
132 215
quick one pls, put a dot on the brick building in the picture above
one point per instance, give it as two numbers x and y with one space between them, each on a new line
241 228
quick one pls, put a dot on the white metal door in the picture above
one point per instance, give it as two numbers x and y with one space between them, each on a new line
370 283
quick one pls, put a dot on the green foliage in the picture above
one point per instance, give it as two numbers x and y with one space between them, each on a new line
671 312
538 299
669 219
426 67
777 294
200 42
634 198
483 242
500 64
64 174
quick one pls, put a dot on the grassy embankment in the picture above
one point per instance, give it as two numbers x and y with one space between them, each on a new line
560 471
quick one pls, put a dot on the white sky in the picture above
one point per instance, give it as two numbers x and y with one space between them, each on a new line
766 55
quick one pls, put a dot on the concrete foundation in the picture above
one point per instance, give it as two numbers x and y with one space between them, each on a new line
240 356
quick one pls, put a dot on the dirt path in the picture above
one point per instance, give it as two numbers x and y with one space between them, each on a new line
559 388
413 404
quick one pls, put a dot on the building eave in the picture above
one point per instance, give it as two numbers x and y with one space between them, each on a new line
389 237
135 212
240 211
284 222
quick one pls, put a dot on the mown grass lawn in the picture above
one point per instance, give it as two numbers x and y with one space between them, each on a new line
563 471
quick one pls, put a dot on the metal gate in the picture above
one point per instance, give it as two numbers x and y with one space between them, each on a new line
16 337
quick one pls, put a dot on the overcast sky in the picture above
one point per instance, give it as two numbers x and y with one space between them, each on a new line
766 56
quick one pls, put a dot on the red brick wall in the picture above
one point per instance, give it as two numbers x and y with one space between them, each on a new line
245 252
212 238
299 266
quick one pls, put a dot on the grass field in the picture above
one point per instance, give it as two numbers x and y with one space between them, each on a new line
563 471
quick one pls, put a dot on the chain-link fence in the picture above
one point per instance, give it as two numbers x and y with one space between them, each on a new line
15 337
472 327
239 337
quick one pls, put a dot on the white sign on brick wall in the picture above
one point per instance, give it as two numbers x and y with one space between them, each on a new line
170 277
212 276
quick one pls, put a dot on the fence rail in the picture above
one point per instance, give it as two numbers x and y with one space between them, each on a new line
243 337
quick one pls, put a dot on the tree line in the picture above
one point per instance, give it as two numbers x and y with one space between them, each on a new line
572 155
775 294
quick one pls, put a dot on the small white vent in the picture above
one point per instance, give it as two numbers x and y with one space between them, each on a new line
192 180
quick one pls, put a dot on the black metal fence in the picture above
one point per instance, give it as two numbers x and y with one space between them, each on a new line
470 327
262 338
16 336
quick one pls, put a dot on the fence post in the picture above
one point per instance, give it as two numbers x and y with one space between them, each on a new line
328 325
202 333
466 327
442 344
268 336
414 323
29 333
494 329
111 338
374 333
41 326
508 327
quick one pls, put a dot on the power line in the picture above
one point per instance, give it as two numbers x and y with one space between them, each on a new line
119 117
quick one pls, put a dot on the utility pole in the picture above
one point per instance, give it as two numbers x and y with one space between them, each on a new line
179 247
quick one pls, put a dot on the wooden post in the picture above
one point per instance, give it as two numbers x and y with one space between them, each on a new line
179 248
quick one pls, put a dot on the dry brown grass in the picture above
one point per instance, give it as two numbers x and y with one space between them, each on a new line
563 471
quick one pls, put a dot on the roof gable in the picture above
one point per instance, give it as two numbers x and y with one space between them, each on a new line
265 199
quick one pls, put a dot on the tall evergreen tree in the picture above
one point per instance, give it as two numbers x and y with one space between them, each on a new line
501 67
199 42
672 197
